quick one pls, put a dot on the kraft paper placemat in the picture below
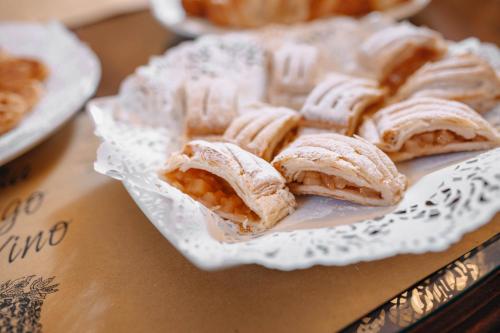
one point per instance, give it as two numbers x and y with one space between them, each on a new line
113 271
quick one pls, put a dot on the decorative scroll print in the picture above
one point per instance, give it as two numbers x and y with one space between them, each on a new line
432 293
21 302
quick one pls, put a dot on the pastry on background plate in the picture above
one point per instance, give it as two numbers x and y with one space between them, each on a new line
263 129
20 88
465 78
426 126
394 53
14 68
232 182
12 110
341 167
338 102
30 90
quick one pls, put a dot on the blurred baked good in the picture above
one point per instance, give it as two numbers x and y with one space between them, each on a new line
20 88
255 13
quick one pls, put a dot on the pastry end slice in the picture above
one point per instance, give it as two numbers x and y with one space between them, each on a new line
12 109
341 167
263 129
232 182
427 126
15 68
395 52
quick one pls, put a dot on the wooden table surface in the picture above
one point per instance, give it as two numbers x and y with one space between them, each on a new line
114 270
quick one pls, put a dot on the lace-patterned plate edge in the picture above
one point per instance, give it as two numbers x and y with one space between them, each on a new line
463 201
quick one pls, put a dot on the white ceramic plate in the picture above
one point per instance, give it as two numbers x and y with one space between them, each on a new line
450 194
171 14
74 76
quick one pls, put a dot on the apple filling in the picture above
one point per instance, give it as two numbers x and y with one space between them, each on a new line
287 139
404 69
436 138
213 192
334 183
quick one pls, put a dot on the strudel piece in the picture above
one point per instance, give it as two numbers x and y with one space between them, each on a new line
426 126
338 102
263 129
464 78
232 182
341 167
293 74
12 109
209 106
395 52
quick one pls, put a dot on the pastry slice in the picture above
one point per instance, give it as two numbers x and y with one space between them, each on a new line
232 182
394 53
341 167
426 126
293 74
13 68
338 102
209 106
12 110
464 78
263 130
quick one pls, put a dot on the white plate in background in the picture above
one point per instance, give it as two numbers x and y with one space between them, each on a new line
74 74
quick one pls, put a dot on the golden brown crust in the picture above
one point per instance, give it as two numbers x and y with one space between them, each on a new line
255 13
20 87
426 126
28 89
13 68
341 167
261 129
12 109
254 180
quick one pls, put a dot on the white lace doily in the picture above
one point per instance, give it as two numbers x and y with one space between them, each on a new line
143 124
74 76
171 14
